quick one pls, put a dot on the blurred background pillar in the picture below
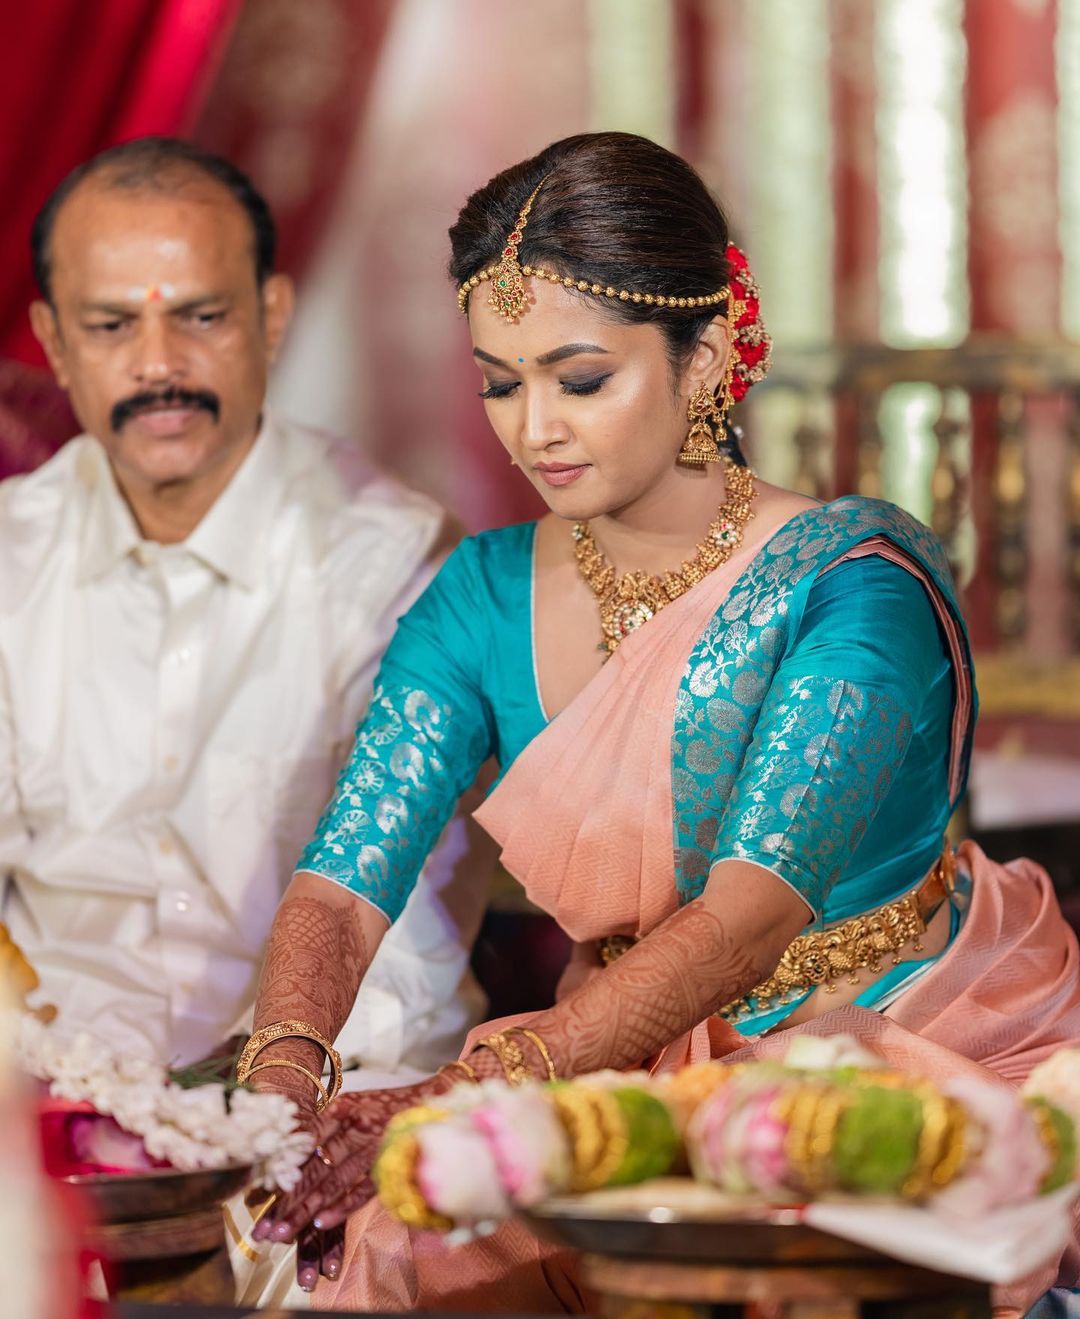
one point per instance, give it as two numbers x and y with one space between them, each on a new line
1015 272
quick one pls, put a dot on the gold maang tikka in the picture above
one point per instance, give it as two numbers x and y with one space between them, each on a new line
508 296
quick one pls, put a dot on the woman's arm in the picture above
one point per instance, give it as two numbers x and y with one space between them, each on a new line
420 745
321 945
707 954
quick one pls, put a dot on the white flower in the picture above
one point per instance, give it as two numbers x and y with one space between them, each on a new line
189 1129
814 1053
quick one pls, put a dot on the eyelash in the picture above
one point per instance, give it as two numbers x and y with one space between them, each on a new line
572 388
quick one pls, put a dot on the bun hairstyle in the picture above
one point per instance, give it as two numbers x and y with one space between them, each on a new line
617 210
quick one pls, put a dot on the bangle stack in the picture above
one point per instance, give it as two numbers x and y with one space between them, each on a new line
296 1067
283 1030
511 1056
463 1067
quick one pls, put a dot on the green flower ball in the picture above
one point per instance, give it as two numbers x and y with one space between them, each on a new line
877 1140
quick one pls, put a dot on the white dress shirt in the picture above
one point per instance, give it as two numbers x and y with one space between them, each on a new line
172 718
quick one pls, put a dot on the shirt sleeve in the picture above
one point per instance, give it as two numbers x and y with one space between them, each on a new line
834 727
13 828
426 733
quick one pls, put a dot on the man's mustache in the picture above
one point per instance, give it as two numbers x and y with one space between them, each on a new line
156 400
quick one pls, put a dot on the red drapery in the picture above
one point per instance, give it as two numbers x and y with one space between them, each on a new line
287 104
75 78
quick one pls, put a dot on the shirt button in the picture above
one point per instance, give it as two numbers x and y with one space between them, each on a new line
182 903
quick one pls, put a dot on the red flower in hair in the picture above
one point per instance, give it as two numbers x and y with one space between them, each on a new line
752 345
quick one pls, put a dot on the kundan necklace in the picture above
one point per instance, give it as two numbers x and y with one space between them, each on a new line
632 599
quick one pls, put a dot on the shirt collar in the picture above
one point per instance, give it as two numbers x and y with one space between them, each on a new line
231 537
109 531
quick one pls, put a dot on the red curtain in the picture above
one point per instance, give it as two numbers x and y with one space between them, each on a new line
77 77
286 105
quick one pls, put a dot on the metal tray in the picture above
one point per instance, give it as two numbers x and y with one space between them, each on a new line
675 1218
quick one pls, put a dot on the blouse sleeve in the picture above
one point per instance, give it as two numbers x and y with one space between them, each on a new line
834 727
426 734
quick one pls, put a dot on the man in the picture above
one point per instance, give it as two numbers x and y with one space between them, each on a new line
194 596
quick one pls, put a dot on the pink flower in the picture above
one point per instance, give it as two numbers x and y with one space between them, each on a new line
105 1146
457 1174
1010 1160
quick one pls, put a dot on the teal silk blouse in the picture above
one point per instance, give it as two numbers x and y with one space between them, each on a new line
818 749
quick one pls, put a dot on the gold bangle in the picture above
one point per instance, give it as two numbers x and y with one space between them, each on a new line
469 1072
510 1057
296 1067
540 1047
283 1030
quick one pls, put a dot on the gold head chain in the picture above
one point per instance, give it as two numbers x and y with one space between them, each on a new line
509 296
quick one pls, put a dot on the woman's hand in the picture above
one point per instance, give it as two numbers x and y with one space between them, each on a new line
293 1085
336 1179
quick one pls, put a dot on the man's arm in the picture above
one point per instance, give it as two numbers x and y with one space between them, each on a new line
13 830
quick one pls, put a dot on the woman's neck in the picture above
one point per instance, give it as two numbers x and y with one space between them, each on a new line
658 532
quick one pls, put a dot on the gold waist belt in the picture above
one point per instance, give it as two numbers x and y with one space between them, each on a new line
823 956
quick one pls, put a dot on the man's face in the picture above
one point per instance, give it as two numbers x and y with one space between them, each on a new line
159 331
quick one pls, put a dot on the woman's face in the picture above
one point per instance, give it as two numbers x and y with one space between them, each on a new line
583 403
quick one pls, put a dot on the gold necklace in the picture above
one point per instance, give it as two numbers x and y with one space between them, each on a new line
632 599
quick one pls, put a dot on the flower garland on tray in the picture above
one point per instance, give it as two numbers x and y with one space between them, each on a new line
151 1119
831 1120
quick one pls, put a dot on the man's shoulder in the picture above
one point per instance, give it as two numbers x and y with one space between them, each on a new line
37 507
356 513
336 474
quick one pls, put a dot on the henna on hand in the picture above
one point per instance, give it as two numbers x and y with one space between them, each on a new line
321 944
338 1180
319 1253
682 972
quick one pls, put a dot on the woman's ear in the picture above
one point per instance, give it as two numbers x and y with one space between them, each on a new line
709 360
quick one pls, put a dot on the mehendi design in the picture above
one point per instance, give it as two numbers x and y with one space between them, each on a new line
680 974
315 959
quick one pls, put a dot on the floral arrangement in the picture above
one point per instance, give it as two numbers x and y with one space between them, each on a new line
830 1120
489 1148
127 1114
753 347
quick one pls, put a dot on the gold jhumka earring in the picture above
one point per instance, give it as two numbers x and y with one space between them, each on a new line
707 418
706 413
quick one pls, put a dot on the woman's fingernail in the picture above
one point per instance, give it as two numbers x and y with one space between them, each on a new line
281 1231
331 1270
307 1280
317 1222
